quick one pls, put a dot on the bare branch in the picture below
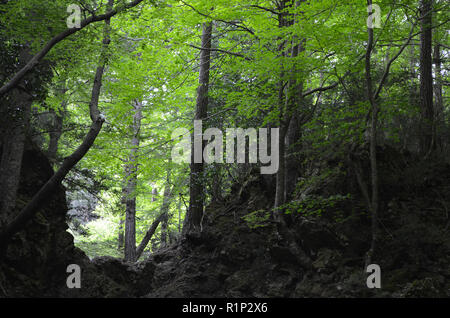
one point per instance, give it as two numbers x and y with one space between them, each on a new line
222 51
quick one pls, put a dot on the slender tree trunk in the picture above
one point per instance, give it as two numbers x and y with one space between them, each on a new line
373 145
165 210
280 182
294 129
409 138
165 219
131 169
148 236
196 188
426 78
179 215
154 194
280 193
120 239
292 161
439 103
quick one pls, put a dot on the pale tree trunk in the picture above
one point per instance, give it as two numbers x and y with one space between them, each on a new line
120 239
196 187
131 170
154 194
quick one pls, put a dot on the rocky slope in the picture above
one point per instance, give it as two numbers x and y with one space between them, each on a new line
317 256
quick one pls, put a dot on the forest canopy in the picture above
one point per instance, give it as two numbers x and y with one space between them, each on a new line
101 86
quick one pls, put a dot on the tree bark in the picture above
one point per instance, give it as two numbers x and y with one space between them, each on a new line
165 212
290 95
426 78
148 236
280 182
131 169
196 187
294 130
163 217
154 194
120 239
373 144
179 214
439 102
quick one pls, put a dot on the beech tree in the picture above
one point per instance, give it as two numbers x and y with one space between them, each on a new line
339 90
196 203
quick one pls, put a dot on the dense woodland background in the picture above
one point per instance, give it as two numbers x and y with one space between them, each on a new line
364 138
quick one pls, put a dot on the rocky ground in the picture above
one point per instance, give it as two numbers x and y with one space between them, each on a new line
317 256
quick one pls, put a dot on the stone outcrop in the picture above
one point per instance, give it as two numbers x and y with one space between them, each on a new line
318 256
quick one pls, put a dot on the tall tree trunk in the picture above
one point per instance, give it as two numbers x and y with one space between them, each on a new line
292 156
290 97
439 103
426 78
179 215
280 193
196 187
165 210
294 129
280 182
373 144
131 169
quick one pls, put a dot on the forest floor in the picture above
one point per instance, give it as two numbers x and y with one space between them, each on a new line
317 255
